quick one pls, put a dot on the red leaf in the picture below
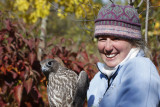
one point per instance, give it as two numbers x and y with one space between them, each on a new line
3 69
32 57
28 104
36 94
2 103
63 40
9 84
26 72
3 32
8 24
31 44
37 41
3 89
85 55
22 74
5 58
20 65
10 39
8 48
14 74
81 64
24 40
28 84
1 37
18 93
55 50
73 54
75 68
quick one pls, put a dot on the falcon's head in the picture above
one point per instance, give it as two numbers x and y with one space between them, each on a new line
48 66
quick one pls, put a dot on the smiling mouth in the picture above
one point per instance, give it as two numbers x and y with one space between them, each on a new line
111 55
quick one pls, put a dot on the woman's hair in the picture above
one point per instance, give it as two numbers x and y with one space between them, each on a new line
140 43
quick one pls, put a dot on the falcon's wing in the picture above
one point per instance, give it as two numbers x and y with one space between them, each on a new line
82 87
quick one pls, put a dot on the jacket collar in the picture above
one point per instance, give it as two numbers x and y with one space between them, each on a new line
103 68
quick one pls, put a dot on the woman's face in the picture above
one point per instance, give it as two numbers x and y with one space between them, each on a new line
113 50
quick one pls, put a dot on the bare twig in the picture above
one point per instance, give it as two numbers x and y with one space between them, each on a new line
92 10
82 20
139 4
146 22
131 2
149 8
111 1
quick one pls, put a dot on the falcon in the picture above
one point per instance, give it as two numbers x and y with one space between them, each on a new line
64 88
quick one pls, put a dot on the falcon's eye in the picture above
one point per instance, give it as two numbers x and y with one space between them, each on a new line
49 63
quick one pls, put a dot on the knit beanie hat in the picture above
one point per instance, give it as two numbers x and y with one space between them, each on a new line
117 20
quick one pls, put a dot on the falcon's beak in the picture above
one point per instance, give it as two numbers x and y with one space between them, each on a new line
44 69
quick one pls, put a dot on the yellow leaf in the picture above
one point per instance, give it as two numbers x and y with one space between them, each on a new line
22 5
157 25
56 1
156 32
140 16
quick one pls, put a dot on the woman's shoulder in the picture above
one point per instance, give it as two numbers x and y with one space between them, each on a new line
141 59
140 62
140 67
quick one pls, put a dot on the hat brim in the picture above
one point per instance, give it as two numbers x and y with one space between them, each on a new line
120 31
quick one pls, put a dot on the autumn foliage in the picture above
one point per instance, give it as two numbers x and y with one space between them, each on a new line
21 80
19 69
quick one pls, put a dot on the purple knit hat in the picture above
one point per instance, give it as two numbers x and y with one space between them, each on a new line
117 20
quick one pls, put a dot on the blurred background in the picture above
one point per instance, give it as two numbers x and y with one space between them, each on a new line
33 30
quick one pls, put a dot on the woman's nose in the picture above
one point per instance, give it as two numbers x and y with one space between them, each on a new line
108 46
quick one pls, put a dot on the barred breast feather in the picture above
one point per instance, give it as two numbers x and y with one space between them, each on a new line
62 87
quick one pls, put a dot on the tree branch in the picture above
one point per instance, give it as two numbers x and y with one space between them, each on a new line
149 8
42 38
111 1
131 2
146 21
139 4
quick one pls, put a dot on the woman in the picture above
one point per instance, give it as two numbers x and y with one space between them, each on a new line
126 78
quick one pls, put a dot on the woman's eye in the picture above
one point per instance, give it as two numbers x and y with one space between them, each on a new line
101 39
115 38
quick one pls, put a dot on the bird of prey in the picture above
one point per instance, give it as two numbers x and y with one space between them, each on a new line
65 88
